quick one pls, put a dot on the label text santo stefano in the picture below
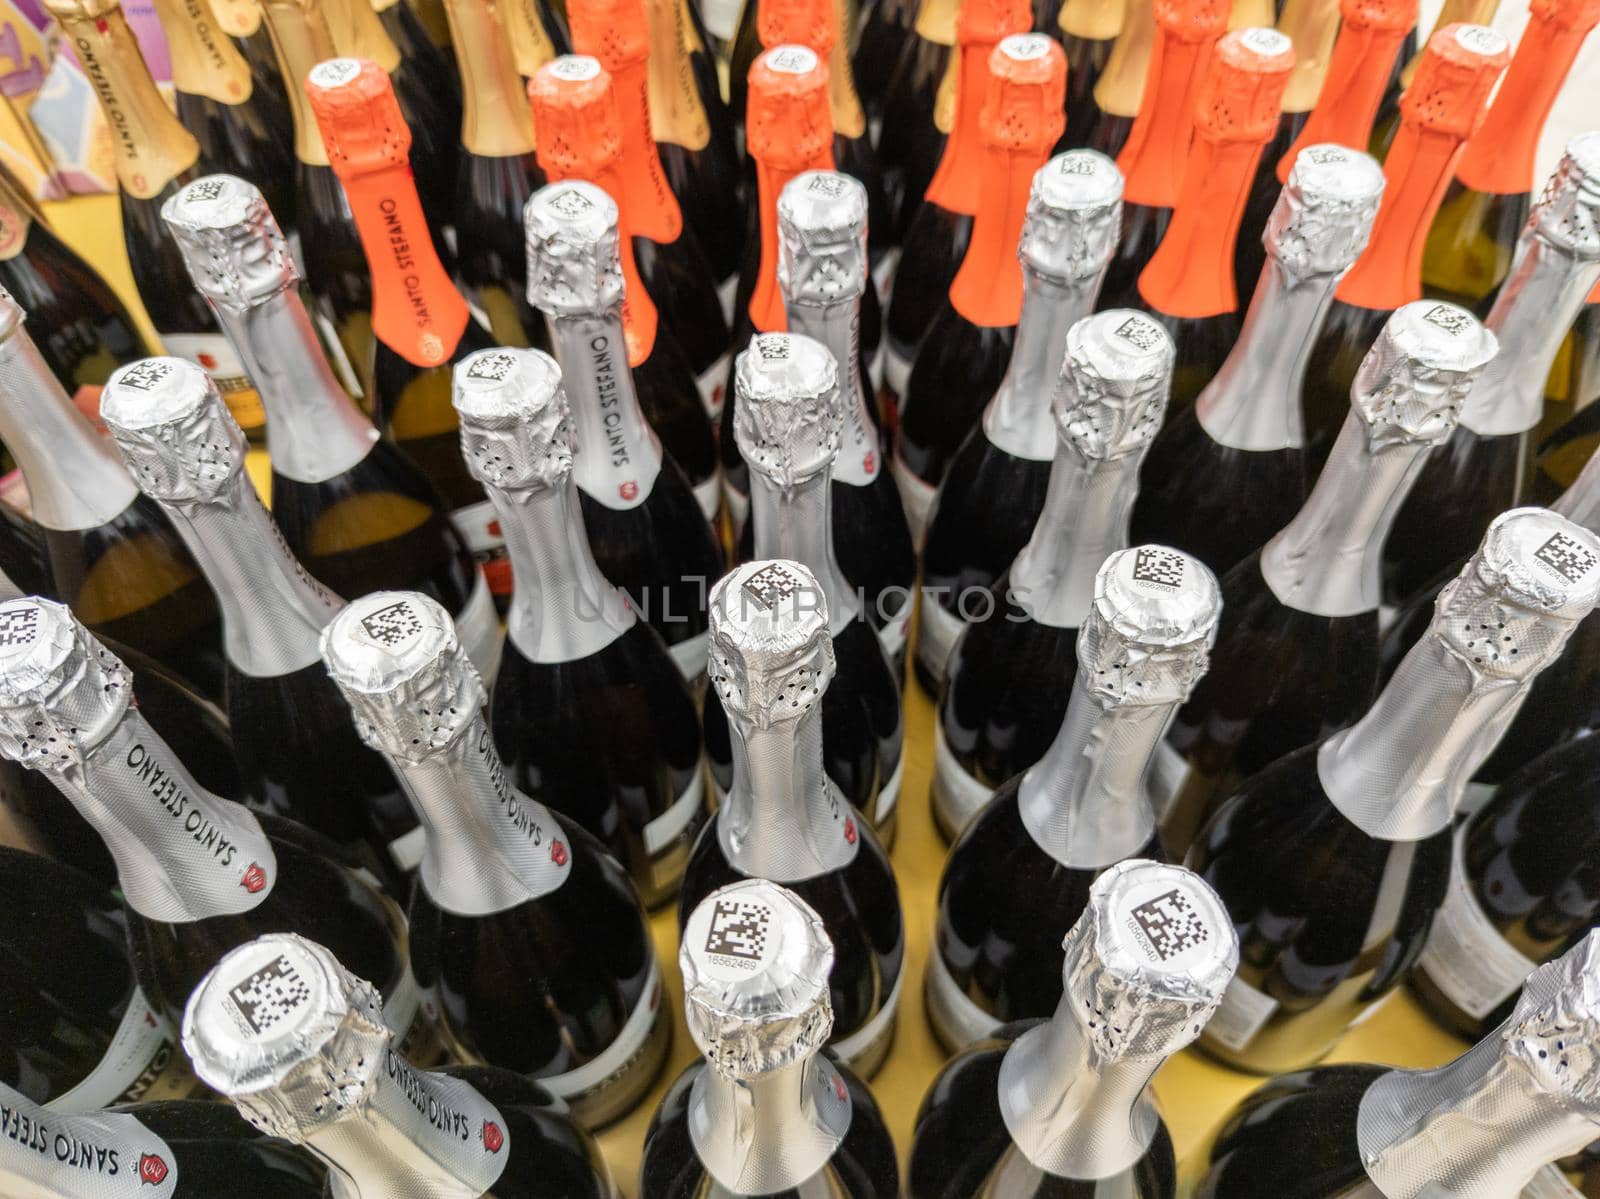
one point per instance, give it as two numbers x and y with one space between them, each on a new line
400 247
61 1146
180 805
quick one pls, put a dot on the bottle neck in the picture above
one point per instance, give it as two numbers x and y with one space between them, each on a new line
1153 157
770 1133
496 118
488 847
955 186
1328 560
1312 25
205 62
75 479
1357 76
1018 420
1087 506
766 308
1580 502
1541 297
844 102
677 111
358 32
238 18
1253 403
652 208
796 523
300 40
1085 802
1120 89
987 289
150 147
314 431
619 455
1091 20
531 46
838 326
46 1154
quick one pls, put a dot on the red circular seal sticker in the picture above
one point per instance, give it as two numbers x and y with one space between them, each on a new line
850 829
629 490
152 1170
254 878
493 1139
558 852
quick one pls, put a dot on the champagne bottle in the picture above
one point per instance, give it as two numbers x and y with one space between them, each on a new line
1008 679
1440 109
1329 931
574 104
883 29
1245 433
514 900
1473 240
1482 470
788 424
766 1112
114 557
1063 1102
646 530
198 874
242 21
421 324
155 157
299 753
77 322
991 498
78 1034
172 1150
1024 865
580 662
279 1019
425 54
964 355
938 227
1297 656
822 269
783 819
1485 1124
1119 92
919 102
1189 282
1088 32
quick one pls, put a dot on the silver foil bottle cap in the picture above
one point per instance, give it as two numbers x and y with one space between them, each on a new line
173 430
1567 213
61 691
1325 211
822 239
411 687
232 246
1410 386
1074 216
756 960
771 654
12 315
1114 383
516 427
1147 638
574 267
1554 1030
287 1033
788 416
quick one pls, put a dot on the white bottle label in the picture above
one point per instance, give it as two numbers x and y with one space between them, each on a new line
711 383
957 796
665 828
478 628
889 794
958 1021
1466 957
46 1155
896 371
721 17
863 1044
133 1065
937 635
1243 1012
892 636
917 496
213 352
691 655
596 1073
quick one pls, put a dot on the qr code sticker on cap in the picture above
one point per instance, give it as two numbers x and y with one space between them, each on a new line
392 625
772 584
1566 557
1170 924
738 929
19 626
1161 567
270 994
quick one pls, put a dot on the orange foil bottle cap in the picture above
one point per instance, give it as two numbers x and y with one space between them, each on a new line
416 310
614 31
1236 114
796 23
580 137
985 22
1025 112
980 25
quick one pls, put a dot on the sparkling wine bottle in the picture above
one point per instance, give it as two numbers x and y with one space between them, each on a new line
77 1034
242 20
919 102
171 1150
1245 433
580 663
1009 677
822 268
1022 868
514 900
647 532
788 424
24 555
767 1112
1485 1124
114 556
1119 91
1482 469
350 506
1088 32
279 1021
883 28
198 874
1297 656
574 103
1333 860
968 345
296 746
1062 1103
422 53
783 819
991 498
420 323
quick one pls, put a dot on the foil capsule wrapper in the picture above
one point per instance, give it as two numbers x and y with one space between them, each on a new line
771 653
574 263
1114 385
12 316
788 415
61 691
516 426
822 239
1567 213
1148 635
1410 387
173 430
1555 1027
1324 214
1074 216
231 244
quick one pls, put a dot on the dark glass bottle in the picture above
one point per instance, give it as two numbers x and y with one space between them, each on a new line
281 1014
779 1117
919 105
1333 860
430 58
514 900
1010 675
783 819
883 29
1119 91
24 555
1060 1105
991 498
1297 655
1024 864
1087 30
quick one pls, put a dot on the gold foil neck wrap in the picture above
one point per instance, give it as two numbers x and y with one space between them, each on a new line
1093 20
205 62
358 32
300 40
531 46
496 116
677 113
